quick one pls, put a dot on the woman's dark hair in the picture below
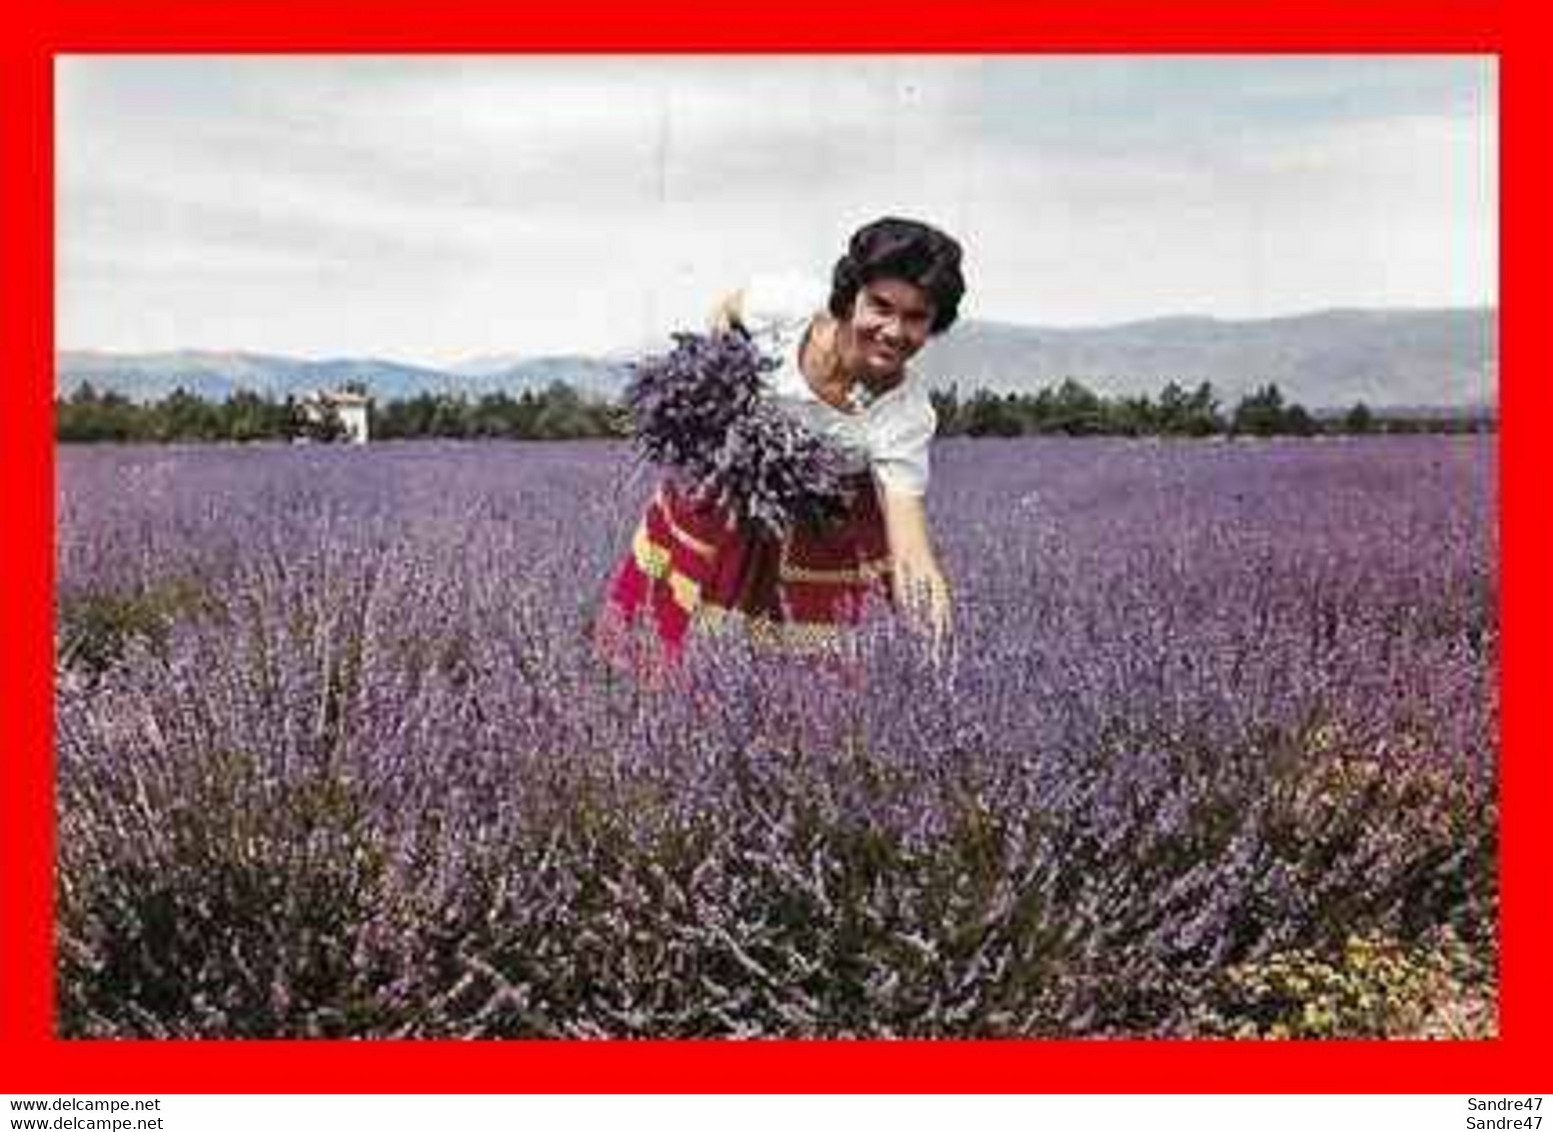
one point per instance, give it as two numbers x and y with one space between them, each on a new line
892 248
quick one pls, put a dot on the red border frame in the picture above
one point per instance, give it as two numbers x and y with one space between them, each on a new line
33 1060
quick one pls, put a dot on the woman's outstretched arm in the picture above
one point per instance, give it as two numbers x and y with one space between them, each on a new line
920 588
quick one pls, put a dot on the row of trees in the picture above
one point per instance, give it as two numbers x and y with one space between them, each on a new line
1073 409
557 413
561 412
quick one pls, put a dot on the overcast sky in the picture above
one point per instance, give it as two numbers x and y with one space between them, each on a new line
434 209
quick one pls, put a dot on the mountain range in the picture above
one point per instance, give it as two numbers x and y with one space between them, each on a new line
1439 358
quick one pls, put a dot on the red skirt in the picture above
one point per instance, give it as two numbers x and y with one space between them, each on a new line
689 564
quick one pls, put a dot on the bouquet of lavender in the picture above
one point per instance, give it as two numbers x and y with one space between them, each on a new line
698 411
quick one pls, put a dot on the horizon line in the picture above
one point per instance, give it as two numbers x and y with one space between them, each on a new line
621 352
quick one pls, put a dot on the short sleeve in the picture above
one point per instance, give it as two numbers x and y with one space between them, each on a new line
900 445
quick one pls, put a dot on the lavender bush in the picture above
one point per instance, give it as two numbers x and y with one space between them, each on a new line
1214 752
697 412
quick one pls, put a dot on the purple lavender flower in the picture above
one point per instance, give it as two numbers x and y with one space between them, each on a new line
699 411
336 757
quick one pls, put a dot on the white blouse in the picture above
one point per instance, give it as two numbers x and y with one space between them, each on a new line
891 435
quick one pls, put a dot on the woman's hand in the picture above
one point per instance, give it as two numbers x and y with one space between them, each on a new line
923 592
920 588
728 312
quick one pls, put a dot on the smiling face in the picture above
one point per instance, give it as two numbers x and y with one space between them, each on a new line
889 323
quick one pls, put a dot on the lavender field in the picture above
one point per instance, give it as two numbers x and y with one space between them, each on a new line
1213 753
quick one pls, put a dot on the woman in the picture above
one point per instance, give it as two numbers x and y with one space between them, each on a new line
841 371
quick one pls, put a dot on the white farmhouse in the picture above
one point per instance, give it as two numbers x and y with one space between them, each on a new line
349 406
